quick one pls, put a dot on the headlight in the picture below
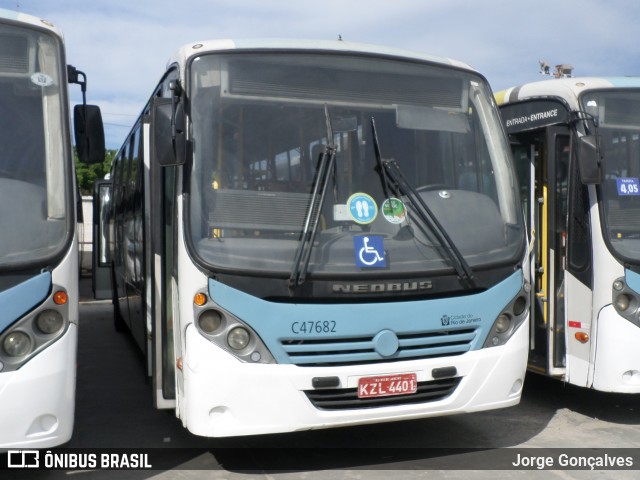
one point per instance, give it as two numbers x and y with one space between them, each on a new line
228 332
209 321
520 305
35 331
503 323
622 302
17 344
626 300
238 338
49 321
509 320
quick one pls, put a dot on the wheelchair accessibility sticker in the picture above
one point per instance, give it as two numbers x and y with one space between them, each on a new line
362 208
369 251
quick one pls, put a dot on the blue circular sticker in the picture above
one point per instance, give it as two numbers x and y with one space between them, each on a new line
362 208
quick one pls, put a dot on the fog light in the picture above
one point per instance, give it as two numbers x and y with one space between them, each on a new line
210 320
49 321
17 344
238 338
622 302
255 356
618 285
503 323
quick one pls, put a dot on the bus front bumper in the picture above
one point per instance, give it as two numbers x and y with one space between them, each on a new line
223 397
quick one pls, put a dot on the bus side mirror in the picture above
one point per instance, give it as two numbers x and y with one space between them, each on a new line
167 135
589 163
89 133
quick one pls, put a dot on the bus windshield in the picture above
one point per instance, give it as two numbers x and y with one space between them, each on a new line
260 130
33 175
618 120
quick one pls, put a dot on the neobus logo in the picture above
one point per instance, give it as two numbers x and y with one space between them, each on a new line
381 287
23 459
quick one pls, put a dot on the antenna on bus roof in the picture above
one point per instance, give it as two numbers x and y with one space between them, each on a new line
544 67
564 70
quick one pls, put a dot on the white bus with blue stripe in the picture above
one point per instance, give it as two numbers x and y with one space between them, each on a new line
38 244
310 234
576 143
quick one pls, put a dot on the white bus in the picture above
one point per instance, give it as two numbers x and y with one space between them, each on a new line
307 234
576 143
38 245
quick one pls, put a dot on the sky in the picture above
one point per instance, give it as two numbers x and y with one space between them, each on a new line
123 45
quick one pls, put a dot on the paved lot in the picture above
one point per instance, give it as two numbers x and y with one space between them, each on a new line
114 410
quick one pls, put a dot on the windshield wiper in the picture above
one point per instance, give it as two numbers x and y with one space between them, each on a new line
393 180
319 190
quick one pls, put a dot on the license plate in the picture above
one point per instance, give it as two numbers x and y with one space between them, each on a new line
387 385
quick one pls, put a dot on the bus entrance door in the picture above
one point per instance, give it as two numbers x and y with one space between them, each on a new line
542 158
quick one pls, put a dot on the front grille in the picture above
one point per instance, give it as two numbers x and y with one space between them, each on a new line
347 398
353 351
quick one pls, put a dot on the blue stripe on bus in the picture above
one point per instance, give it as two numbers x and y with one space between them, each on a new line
9 14
283 327
18 300
633 280
624 81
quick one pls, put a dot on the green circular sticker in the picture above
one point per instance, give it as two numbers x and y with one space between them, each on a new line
394 210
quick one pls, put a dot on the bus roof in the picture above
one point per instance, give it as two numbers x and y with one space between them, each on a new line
566 88
29 19
183 54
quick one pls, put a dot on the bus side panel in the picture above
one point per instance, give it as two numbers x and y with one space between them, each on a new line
578 304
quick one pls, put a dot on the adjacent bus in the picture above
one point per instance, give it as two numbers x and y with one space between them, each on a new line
307 234
38 244
576 143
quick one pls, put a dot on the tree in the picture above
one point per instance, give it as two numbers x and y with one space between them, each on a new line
87 174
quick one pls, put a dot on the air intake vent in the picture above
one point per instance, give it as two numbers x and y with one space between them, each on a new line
353 351
14 54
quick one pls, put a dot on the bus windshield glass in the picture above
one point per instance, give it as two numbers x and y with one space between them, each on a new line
262 126
33 175
618 120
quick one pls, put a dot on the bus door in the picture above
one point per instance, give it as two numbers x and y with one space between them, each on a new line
542 160
162 247
101 258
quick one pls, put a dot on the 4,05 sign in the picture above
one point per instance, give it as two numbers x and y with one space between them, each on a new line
628 186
